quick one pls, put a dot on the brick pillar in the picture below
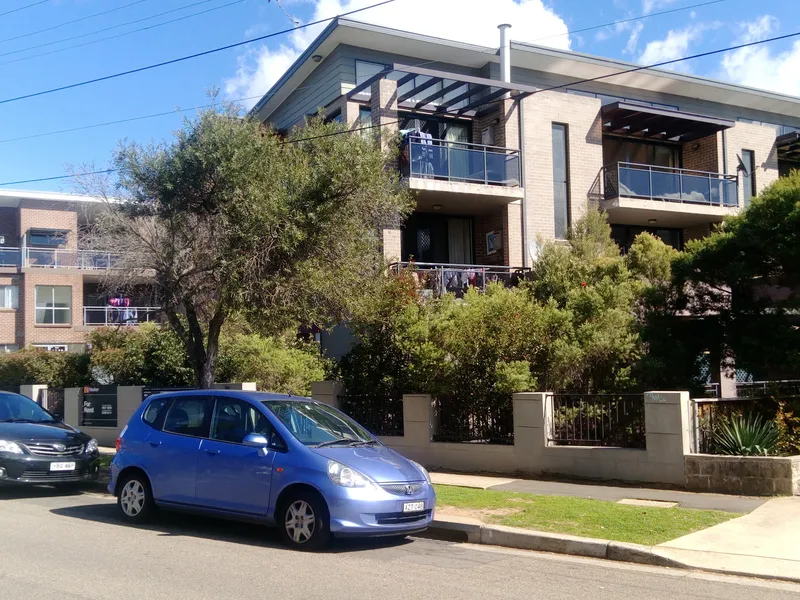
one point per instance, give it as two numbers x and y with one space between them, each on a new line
327 392
418 427
668 429
392 251
72 406
532 419
512 238
383 104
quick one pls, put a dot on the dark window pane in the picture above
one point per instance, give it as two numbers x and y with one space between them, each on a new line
749 176
560 180
155 411
189 415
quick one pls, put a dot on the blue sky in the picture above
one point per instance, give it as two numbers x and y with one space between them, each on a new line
247 71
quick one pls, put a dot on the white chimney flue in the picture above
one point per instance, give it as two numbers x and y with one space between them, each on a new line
505 53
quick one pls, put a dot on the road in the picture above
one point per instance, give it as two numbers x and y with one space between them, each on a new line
72 547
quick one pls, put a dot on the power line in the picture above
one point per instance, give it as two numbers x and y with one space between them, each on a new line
190 56
539 91
621 21
104 29
119 35
31 5
65 23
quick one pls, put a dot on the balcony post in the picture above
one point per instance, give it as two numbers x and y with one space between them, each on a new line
485 168
680 184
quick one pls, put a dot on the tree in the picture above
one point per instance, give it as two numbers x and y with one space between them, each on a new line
230 218
743 283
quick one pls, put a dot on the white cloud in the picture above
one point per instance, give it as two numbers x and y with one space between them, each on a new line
675 45
759 66
649 6
260 67
633 39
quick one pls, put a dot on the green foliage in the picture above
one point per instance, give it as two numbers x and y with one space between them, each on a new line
746 436
144 355
55 369
273 363
233 218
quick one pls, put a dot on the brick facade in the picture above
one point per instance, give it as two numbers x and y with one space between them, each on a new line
39 214
9 226
703 154
761 140
52 334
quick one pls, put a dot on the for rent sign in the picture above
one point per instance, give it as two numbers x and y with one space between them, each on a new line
99 406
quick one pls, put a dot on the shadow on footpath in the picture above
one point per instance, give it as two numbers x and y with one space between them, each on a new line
173 524
21 492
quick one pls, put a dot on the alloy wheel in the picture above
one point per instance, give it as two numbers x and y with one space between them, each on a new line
132 498
300 522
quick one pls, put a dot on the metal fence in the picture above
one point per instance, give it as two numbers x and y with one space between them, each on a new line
103 316
612 420
474 420
52 400
380 415
437 279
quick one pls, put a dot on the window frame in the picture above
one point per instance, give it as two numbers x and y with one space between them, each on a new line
206 418
751 156
14 296
567 199
56 238
52 309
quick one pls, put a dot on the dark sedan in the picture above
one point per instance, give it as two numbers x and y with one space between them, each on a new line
37 448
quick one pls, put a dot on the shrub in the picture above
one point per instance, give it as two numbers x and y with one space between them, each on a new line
55 369
746 436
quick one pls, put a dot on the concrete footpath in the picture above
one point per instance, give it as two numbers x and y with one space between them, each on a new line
762 543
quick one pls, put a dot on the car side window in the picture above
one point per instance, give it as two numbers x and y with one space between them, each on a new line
155 412
189 415
235 419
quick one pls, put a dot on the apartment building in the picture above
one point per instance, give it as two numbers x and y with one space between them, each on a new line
506 147
51 294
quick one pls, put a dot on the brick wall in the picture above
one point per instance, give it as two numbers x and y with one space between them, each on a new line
9 317
494 221
697 232
39 214
512 247
581 115
705 157
761 140
51 334
9 226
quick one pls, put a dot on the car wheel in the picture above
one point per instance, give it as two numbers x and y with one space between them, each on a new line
304 521
135 500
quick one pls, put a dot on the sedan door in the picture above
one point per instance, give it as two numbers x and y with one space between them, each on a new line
232 477
173 470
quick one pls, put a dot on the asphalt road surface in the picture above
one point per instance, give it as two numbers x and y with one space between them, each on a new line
71 547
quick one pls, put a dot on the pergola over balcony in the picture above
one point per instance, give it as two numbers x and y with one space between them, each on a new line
652 123
789 146
421 89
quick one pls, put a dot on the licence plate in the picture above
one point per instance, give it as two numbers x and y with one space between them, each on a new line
62 466
413 506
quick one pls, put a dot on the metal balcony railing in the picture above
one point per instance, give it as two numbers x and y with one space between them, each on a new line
103 316
460 161
436 279
650 182
57 258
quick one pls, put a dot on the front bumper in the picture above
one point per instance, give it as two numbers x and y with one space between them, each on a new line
35 470
375 512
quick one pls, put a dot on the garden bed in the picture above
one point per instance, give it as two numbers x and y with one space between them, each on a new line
745 475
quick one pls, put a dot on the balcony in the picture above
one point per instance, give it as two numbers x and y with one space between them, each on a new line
640 194
110 316
461 176
57 258
436 279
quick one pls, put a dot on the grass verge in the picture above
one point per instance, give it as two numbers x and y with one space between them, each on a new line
578 516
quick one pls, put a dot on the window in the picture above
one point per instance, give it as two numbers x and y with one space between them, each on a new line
9 296
334 117
189 415
365 70
47 237
20 407
561 180
618 149
53 304
314 423
5 348
749 176
154 413
235 419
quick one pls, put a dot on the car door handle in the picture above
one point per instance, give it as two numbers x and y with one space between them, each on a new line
212 452
155 444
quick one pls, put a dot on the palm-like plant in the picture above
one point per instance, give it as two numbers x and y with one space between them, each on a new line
746 436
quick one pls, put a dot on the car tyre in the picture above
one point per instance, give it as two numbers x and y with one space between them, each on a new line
304 521
135 498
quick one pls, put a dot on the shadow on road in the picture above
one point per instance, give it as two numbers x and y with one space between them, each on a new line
20 492
167 523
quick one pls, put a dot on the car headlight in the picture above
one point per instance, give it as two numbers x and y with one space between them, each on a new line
424 471
91 446
10 447
345 476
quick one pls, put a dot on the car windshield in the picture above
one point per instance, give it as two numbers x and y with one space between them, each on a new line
314 424
19 409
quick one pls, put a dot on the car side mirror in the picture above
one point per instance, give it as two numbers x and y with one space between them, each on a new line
255 440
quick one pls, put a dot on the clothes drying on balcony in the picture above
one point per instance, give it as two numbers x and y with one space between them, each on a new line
421 162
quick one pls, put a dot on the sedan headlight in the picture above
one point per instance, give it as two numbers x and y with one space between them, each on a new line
345 476
10 447
91 446
424 471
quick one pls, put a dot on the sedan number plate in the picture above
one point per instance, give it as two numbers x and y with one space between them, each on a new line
413 506
62 466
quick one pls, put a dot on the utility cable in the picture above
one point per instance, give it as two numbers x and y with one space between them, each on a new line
188 57
31 5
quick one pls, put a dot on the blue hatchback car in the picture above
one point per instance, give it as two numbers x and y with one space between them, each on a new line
282 460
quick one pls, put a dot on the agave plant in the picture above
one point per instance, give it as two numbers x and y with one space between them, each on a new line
746 436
